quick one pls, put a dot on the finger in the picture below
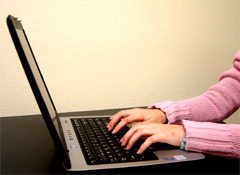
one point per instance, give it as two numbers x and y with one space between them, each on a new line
136 132
115 118
147 143
126 121
129 134
142 131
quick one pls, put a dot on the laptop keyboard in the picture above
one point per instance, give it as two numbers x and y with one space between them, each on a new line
101 146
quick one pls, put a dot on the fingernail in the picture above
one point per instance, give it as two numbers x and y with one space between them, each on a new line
128 147
139 152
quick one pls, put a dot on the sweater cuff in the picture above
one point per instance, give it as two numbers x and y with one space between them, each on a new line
174 111
212 138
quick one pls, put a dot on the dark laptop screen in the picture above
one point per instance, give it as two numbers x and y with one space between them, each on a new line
38 86
36 73
37 76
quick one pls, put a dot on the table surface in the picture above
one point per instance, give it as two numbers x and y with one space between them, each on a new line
27 148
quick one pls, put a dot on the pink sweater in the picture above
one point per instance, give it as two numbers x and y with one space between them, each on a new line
200 115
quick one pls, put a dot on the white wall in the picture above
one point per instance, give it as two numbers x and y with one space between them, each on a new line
100 54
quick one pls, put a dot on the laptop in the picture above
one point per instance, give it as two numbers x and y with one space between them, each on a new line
84 142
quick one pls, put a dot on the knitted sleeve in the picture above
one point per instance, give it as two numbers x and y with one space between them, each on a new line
212 138
218 103
198 114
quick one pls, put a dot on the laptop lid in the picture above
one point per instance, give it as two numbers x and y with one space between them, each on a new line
38 86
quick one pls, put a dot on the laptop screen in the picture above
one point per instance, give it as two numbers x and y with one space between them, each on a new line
38 77
38 86
36 73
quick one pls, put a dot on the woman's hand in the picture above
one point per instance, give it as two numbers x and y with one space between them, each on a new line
136 115
155 132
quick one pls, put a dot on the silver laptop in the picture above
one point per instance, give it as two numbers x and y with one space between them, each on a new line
82 142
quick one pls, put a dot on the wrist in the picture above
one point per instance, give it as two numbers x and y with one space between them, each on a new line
162 116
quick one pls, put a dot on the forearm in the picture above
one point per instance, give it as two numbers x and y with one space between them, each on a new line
211 138
218 103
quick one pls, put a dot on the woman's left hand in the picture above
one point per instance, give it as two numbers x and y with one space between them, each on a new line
155 132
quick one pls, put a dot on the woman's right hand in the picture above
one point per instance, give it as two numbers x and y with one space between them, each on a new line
135 115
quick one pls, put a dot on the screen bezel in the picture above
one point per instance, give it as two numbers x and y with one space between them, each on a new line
55 131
